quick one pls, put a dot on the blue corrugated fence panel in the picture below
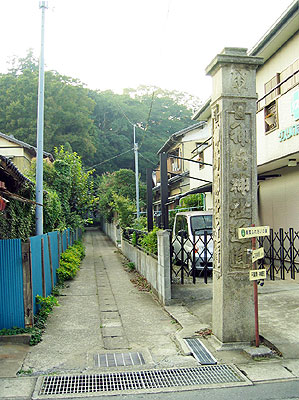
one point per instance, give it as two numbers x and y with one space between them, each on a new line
36 261
11 284
64 239
48 281
54 252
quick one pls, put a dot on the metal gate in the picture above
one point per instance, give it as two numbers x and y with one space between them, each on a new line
191 256
281 253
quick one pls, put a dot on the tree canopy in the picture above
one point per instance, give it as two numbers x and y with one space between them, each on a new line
97 125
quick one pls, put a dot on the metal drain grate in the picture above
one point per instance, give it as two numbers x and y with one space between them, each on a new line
118 359
200 352
152 379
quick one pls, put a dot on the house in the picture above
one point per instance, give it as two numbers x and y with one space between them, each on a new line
180 149
277 122
20 153
11 182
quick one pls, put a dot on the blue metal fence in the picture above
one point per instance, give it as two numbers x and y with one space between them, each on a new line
11 284
54 253
64 240
45 253
36 268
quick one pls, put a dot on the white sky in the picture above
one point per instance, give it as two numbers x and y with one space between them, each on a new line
115 44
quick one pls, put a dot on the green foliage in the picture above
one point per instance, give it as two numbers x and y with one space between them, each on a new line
131 266
158 114
125 210
47 304
134 239
171 217
70 262
91 123
46 307
52 212
194 201
140 224
14 331
190 202
78 249
68 108
69 191
116 196
149 242
18 219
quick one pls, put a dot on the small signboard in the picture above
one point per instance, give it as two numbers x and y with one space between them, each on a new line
258 254
257 274
253 231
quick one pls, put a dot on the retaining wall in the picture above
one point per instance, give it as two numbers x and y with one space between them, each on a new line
155 269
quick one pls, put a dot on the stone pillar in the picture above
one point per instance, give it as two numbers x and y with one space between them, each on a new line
233 106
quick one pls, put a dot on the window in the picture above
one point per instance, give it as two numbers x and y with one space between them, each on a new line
202 223
294 80
285 80
270 85
181 224
175 162
270 116
200 158
200 148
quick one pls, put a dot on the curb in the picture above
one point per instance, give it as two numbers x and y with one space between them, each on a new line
23 338
189 324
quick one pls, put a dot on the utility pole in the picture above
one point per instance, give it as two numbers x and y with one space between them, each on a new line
136 173
43 5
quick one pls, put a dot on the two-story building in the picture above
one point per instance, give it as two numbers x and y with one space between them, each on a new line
277 84
277 126
180 149
20 153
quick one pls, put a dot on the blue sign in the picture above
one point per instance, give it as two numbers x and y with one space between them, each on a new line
295 105
288 133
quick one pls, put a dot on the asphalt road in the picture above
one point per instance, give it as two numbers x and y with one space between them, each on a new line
288 390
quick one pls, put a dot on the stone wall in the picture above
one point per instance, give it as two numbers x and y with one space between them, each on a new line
113 231
156 270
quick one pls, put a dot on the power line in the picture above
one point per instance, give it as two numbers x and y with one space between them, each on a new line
127 118
109 159
147 159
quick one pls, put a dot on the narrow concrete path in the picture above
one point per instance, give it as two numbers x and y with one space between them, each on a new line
101 311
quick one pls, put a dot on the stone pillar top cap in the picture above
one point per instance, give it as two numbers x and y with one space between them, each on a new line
233 55
234 51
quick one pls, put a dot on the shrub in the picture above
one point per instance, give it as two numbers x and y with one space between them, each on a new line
149 242
70 262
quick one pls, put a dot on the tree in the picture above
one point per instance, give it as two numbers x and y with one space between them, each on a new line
117 195
68 108
69 191
156 113
97 125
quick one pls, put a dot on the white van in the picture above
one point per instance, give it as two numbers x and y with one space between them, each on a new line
192 235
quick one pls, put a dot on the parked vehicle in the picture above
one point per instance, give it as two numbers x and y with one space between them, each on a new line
192 239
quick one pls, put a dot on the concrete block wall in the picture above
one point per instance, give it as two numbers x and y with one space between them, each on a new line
156 270
113 231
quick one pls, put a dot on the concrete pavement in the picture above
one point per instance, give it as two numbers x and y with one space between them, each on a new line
101 311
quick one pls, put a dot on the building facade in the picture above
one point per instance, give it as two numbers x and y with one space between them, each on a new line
20 153
277 84
277 123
